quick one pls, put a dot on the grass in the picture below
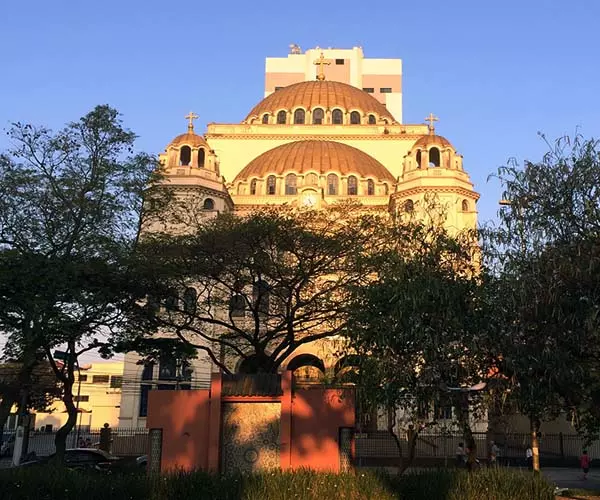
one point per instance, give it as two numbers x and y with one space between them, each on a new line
493 484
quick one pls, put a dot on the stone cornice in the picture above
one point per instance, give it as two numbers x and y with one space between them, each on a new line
324 137
437 189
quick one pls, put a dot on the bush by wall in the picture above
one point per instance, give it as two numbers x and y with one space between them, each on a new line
494 484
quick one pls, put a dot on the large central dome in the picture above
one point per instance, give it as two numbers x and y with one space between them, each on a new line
320 94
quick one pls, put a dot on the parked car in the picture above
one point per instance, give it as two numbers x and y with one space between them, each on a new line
82 459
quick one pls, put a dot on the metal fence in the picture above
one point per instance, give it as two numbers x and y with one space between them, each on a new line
124 441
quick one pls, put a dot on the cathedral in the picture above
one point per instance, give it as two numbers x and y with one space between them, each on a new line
328 128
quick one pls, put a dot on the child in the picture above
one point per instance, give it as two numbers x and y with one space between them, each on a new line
584 461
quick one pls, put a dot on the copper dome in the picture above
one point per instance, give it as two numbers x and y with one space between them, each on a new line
315 156
320 93
189 139
432 140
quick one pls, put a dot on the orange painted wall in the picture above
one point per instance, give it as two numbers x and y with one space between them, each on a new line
184 417
317 415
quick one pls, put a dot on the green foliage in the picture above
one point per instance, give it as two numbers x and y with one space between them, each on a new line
492 484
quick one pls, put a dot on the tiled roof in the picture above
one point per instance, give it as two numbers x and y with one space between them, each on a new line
315 156
189 139
432 140
260 384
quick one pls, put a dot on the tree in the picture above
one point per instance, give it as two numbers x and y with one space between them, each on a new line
544 255
251 290
69 218
419 328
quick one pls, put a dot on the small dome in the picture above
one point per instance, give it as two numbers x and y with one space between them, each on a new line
432 140
315 156
190 139
320 94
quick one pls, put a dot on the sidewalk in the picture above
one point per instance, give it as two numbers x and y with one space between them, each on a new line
571 478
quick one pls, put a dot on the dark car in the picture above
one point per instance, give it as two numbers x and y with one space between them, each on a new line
82 458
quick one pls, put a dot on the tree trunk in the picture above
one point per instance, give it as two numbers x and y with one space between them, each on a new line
60 441
535 443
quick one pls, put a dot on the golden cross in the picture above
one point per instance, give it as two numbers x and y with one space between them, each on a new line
431 118
191 116
321 62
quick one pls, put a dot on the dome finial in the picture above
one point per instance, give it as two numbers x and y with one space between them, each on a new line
431 119
191 116
321 62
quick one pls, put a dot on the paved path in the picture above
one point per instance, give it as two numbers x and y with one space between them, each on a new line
565 477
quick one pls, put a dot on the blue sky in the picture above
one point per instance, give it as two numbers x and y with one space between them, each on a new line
495 73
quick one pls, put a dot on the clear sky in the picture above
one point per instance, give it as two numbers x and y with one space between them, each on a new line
495 72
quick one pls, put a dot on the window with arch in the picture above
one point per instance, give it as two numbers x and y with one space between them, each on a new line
370 187
299 116
434 157
386 189
185 156
201 157
237 305
465 206
240 189
189 300
317 116
265 118
253 186
172 300
409 206
418 158
281 117
311 179
352 186
355 118
290 184
372 120
271 183
209 204
332 184
337 117
261 294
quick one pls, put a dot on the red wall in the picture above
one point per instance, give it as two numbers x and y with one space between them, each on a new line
317 415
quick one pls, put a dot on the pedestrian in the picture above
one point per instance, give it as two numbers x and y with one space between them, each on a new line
460 455
105 438
529 457
471 455
584 461
494 453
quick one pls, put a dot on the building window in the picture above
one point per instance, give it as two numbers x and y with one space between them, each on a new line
465 206
253 186
271 184
278 88
148 371
352 186
290 184
237 306
409 206
369 90
355 118
332 184
311 179
201 157
339 62
370 187
265 118
317 116
337 117
82 378
299 117
418 158
172 300
261 296
144 390
209 204
385 90
434 157
185 156
81 399
116 381
372 120
281 117
386 189
167 369
100 379
189 300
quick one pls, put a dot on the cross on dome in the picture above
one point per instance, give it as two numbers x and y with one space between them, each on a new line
431 119
321 62
191 116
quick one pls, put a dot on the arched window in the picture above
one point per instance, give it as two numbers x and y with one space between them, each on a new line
261 296
185 156
299 116
189 300
290 184
271 182
240 189
317 116
237 305
253 186
281 117
332 184
434 157
418 157
265 118
409 206
352 186
370 187
148 371
152 305
172 300
201 157
355 118
386 189
372 120
311 179
465 206
337 116
209 204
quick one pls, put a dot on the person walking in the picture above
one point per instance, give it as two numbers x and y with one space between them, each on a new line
460 455
494 454
105 438
529 457
585 461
